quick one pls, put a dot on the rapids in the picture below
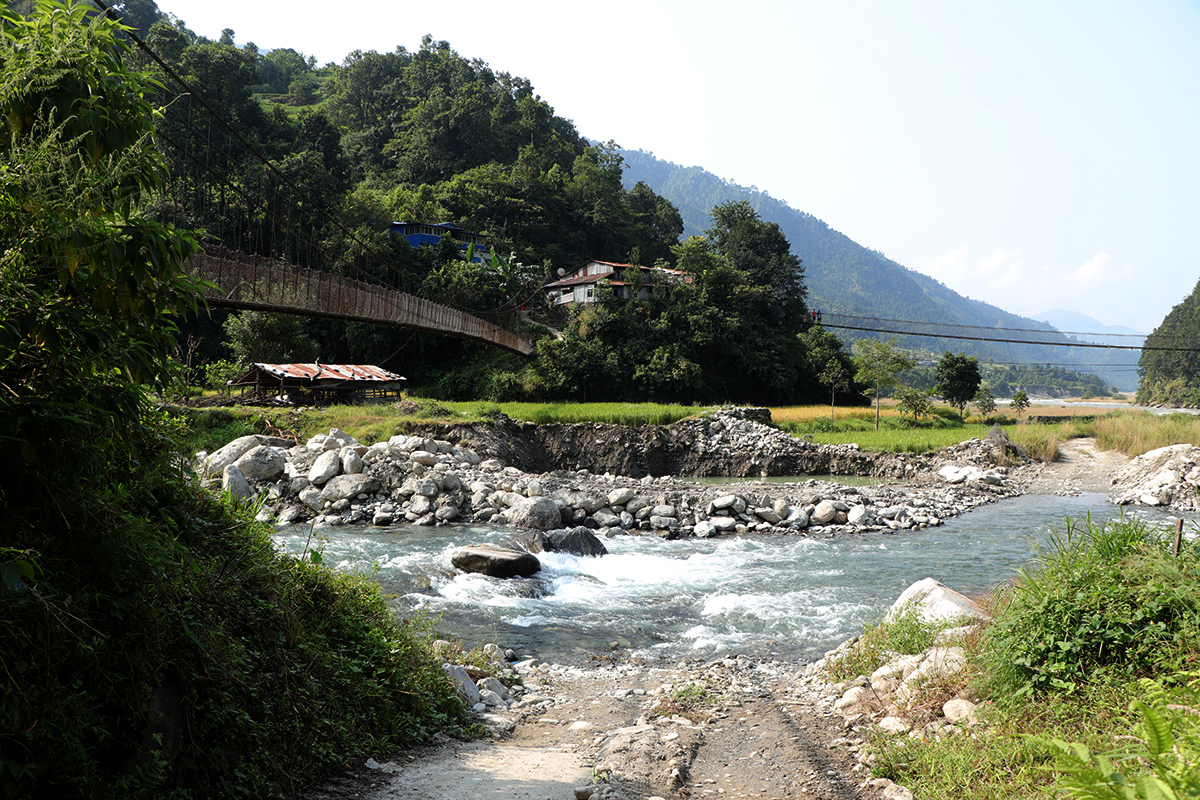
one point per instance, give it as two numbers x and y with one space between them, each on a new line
787 597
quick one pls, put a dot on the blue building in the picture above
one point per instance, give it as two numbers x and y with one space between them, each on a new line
429 234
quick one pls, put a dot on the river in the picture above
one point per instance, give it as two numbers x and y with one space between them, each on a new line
780 596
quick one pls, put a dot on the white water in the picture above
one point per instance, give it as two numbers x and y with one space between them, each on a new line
785 596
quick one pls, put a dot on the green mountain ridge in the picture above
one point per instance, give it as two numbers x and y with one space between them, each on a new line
844 277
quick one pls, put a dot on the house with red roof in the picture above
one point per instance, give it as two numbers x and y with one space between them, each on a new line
597 280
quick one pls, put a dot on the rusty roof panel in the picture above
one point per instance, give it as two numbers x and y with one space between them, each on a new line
336 372
578 280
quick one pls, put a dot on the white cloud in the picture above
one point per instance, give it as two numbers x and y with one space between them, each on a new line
1005 278
950 268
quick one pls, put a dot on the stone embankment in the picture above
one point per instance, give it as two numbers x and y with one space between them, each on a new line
1167 478
481 474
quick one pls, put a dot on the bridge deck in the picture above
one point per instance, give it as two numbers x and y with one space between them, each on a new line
265 284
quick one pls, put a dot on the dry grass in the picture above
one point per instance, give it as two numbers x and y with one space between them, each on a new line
1136 432
1041 441
804 414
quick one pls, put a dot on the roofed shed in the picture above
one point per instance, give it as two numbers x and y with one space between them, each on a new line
322 383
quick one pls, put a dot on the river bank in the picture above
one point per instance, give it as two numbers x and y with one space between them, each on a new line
766 728
490 474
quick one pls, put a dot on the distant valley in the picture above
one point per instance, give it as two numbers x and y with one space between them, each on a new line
845 277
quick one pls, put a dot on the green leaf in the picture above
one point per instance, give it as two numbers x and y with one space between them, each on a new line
13 572
1159 738
1150 787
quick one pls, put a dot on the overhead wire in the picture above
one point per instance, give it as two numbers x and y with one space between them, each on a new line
896 329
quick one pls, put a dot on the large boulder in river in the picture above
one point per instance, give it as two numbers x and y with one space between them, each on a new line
234 482
533 541
348 486
261 463
327 465
535 512
577 541
215 463
936 602
496 561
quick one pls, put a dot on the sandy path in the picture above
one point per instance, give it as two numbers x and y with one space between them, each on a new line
1080 467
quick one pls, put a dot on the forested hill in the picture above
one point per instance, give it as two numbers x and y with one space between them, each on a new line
1172 377
845 277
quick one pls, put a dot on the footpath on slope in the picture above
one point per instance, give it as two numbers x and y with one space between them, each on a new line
1079 468
760 729
755 729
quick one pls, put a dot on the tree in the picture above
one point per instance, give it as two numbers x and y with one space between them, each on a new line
984 402
1171 376
835 376
775 278
1019 402
917 402
878 363
89 287
270 338
827 361
958 380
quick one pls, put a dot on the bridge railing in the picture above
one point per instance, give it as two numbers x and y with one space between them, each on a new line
268 284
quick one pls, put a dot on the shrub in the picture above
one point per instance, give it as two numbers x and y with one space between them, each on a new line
1102 602
217 374
903 633
156 595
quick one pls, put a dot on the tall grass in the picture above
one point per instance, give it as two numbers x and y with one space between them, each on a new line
1136 432
1041 441
898 434
612 413
806 414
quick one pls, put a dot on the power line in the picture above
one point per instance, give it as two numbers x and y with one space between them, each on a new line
896 328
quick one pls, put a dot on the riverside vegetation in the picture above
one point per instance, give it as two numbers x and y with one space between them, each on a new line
152 641
1088 678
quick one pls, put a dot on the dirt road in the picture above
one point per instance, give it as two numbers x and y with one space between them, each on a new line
1080 467
747 729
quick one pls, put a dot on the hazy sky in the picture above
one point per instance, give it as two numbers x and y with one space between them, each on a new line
1030 154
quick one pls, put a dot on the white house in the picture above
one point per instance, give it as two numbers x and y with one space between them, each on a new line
583 285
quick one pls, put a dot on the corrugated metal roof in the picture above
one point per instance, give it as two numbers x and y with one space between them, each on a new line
337 372
575 280
579 279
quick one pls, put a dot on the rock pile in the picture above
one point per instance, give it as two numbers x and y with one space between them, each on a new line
1168 477
893 699
334 480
